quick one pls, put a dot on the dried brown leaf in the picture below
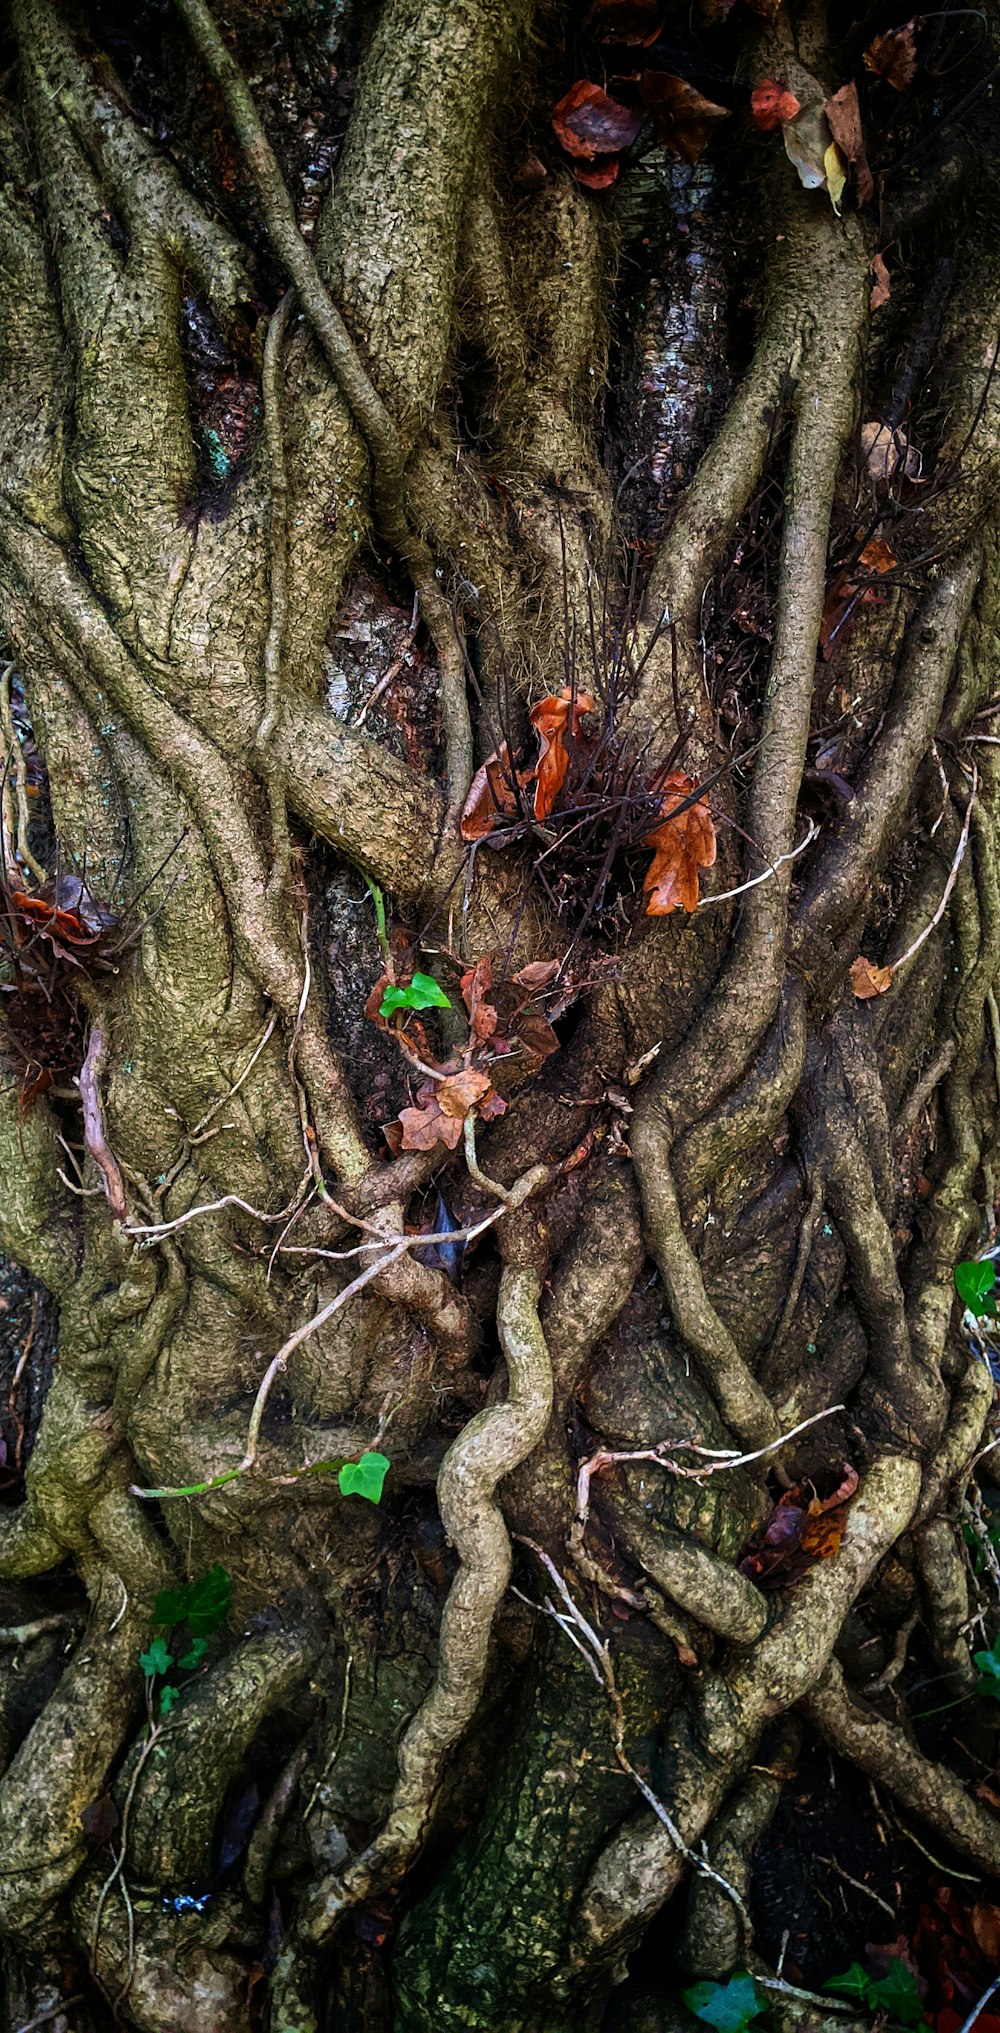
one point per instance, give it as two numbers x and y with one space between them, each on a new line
536 1034
893 56
458 1095
685 119
885 451
868 980
492 795
537 975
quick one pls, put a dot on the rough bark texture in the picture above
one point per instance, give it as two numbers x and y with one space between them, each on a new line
311 486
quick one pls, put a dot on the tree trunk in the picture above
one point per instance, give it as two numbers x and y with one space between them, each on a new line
347 418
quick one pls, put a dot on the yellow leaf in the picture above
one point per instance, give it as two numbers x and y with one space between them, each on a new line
836 175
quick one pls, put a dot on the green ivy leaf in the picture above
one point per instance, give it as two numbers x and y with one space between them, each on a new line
989 1671
423 992
208 1602
855 1983
193 1658
156 1660
169 1697
975 1282
898 1993
364 1478
730 2007
203 1604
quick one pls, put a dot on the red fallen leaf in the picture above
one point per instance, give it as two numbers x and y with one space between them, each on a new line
893 56
537 974
680 846
492 795
630 21
771 105
598 175
868 980
685 119
880 292
475 986
552 718
493 1105
843 113
588 123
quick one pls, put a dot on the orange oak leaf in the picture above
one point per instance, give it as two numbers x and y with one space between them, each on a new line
771 105
685 119
893 56
681 845
868 980
551 718
588 122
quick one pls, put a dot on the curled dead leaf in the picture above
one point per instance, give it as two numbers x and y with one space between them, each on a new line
893 56
537 975
552 718
535 1033
868 980
877 556
684 117
880 291
588 122
682 843
843 113
886 451
771 105
806 140
475 986
492 795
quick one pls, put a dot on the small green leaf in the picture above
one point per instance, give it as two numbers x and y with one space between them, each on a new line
855 1983
898 1993
169 1696
193 1658
156 1660
989 1671
975 1282
364 1478
423 992
730 2007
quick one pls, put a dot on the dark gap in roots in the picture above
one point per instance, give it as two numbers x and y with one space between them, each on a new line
225 407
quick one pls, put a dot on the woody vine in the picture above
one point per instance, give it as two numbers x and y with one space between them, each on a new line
497 1126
